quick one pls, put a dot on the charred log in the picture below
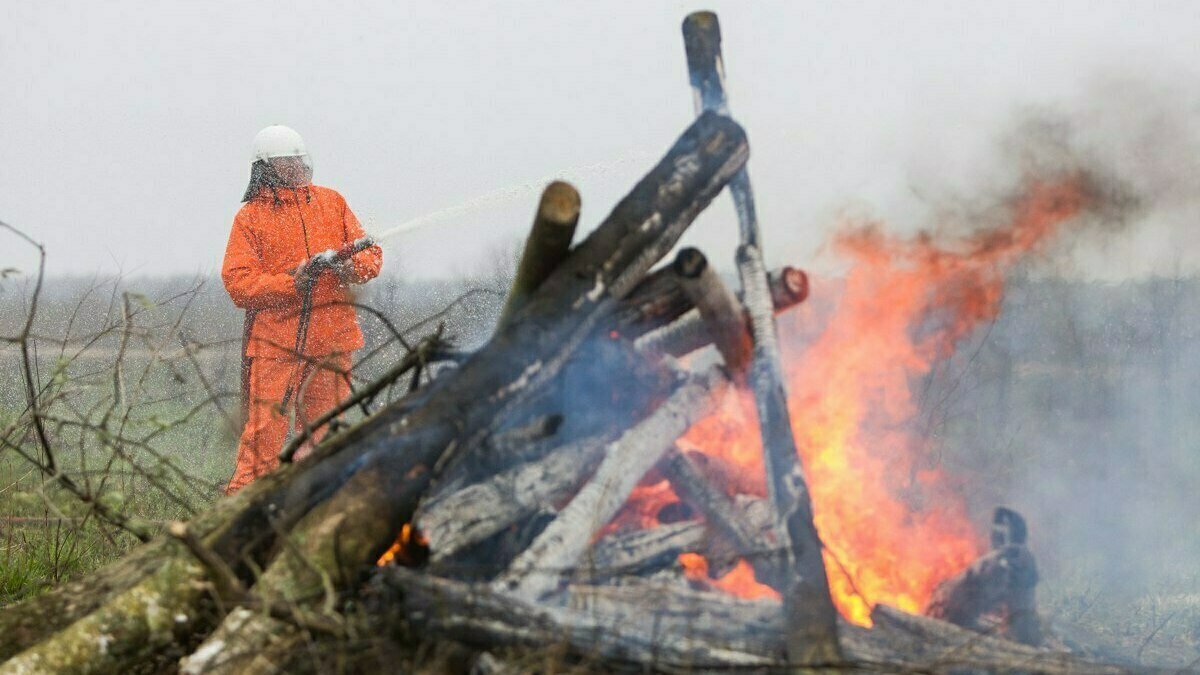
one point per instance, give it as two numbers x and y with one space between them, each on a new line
460 519
655 302
811 617
718 308
540 569
641 552
659 301
691 633
741 537
650 626
789 287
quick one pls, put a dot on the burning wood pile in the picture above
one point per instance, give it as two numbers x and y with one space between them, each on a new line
506 478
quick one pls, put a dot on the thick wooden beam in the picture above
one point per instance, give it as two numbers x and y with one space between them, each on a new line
668 630
659 300
717 306
744 539
655 627
810 615
458 520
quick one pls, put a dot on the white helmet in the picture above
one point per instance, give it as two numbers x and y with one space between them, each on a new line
278 141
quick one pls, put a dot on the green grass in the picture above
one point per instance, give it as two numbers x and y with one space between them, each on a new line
48 535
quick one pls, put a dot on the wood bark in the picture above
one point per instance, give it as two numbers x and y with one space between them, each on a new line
484 616
514 441
460 519
659 300
26 623
679 338
655 302
641 552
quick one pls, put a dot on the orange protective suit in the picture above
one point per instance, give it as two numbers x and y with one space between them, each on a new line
272 234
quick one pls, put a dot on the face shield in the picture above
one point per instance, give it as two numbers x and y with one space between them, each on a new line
293 172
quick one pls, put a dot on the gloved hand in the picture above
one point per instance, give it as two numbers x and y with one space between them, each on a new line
305 275
344 269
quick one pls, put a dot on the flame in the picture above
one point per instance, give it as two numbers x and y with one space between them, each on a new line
641 510
738 581
402 550
892 521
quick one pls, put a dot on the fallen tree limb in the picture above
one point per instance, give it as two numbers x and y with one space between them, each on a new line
648 625
640 551
660 300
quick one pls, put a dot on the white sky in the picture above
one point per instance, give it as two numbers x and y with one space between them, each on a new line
125 127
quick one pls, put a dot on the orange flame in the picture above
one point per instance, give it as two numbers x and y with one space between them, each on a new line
892 522
401 551
738 581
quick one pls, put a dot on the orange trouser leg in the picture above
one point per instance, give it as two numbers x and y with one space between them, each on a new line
326 384
321 387
266 424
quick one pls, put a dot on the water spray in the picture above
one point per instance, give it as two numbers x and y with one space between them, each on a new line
505 194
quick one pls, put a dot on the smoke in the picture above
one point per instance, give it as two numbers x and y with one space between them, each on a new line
1134 138
1074 404
987 359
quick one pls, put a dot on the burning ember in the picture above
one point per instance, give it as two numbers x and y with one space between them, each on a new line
739 581
409 548
892 524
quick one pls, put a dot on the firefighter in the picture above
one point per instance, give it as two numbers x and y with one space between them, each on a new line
300 326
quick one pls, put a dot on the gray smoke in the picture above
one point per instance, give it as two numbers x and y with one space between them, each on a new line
1077 407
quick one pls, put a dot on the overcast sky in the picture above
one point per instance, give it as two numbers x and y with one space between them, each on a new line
125 127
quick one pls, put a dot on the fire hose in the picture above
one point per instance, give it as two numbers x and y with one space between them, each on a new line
313 268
